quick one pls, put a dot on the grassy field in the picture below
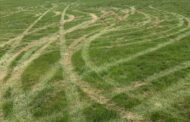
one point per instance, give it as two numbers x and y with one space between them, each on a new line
94 61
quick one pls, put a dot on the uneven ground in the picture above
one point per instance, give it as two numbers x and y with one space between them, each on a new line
94 61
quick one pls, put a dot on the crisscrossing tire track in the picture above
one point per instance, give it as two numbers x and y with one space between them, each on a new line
88 31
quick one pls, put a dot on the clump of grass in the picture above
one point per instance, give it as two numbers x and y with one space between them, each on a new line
7 105
91 77
3 51
38 68
97 113
8 93
126 101
49 101
58 75
7 108
12 65
36 36
160 116
183 107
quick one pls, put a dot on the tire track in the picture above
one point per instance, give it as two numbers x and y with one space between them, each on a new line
181 17
5 66
92 93
146 39
148 19
139 54
19 69
70 19
73 81
84 24
87 91
94 68
14 82
23 99
180 24
16 41
86 56
166 98
41 28
72 95
149 79
31 32
13 13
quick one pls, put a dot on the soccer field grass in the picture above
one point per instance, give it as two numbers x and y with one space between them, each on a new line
94 61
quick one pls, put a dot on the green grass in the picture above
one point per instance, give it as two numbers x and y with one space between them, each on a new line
37 68
149 83
47 102
97 113
126 101
7 103
7 108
